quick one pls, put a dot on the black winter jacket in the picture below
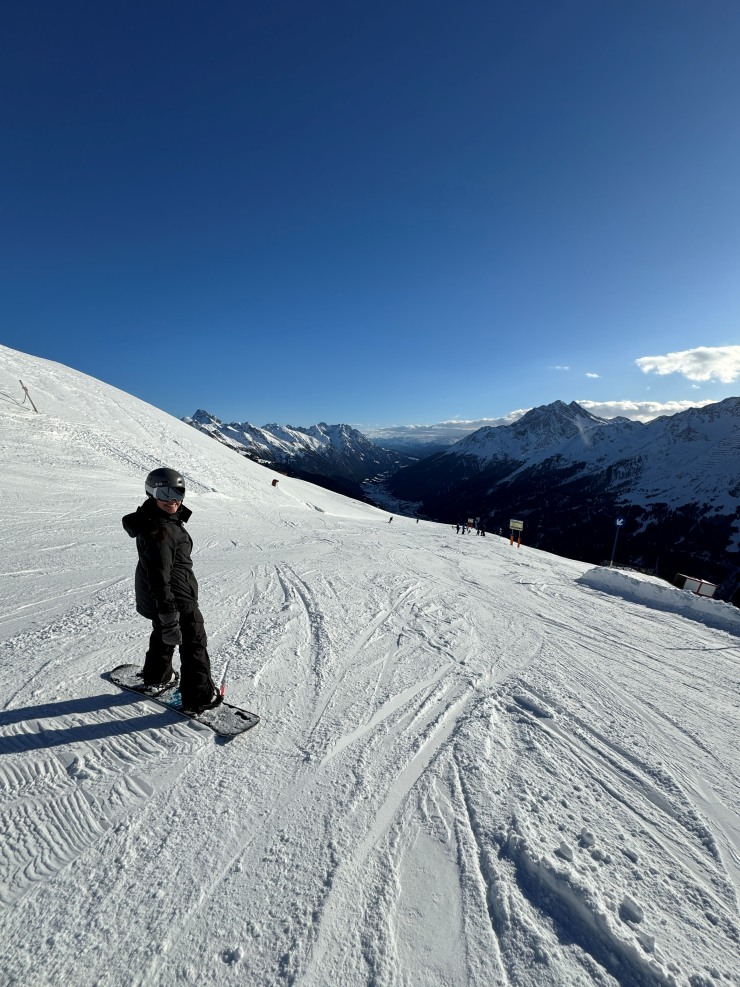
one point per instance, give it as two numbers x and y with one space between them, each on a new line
164 582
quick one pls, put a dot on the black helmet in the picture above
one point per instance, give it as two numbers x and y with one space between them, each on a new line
165 484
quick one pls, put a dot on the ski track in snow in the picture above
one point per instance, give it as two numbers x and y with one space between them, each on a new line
471 769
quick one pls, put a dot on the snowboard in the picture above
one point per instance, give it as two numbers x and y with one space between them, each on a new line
225 720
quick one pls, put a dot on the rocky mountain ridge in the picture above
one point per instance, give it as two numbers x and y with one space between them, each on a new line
335 456
569 474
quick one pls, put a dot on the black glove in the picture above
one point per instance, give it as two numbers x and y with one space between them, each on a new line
171 634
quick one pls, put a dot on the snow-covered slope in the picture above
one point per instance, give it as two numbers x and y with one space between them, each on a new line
476 764
533 436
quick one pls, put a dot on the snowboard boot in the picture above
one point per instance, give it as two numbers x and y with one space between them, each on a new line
157 687
215 700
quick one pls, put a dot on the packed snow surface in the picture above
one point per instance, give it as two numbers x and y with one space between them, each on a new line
476 764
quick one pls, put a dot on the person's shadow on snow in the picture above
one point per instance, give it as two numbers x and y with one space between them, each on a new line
38 733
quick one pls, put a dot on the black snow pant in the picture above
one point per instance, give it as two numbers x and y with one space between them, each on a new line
196 684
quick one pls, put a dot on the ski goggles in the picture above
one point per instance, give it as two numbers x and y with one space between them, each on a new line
169 493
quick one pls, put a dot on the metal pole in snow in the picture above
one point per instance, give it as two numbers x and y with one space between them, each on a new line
619 522
25 390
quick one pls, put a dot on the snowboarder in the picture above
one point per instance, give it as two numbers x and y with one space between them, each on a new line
167 591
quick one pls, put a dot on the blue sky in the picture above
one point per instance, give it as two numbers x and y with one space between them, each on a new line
375 213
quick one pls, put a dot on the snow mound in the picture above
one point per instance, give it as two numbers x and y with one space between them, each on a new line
653 592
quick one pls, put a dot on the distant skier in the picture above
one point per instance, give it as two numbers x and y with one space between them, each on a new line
167 591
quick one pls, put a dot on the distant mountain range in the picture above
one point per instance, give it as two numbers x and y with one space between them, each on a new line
337 457
567 474
424 440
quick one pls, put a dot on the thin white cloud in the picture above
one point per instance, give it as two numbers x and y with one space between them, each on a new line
639 411
558 367
720 363
445 431
593 376
451 430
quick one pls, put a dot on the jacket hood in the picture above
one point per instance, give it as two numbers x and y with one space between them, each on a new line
141 519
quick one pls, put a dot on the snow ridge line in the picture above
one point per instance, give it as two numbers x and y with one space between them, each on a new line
427 747
599 760
319 641
634 769
386 710
482 872
347 664
515 937
573 910
576 915
595 645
